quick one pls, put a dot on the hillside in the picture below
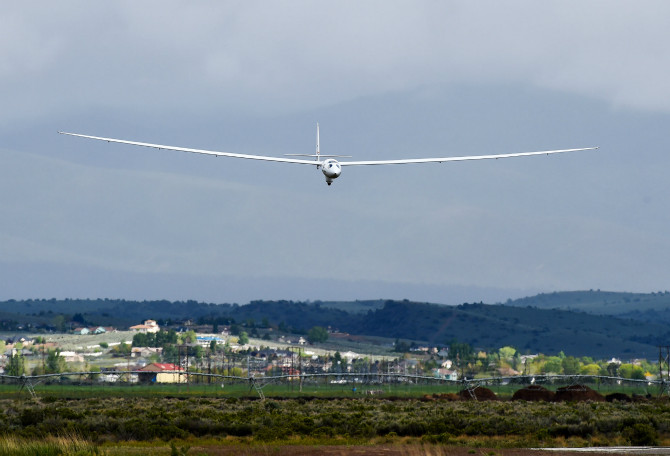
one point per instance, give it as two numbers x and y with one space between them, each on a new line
530 329
646 307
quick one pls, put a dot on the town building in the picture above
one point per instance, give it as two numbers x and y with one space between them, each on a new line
162 373
149 326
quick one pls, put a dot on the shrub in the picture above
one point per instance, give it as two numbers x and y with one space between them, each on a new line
641 434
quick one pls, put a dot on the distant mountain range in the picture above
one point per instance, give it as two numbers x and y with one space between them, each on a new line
583 323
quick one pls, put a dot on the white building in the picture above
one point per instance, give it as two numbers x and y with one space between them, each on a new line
149 326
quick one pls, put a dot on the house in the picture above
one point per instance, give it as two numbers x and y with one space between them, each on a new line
93 330
205 341
525 358
23 339
446 374
109 375
350 356
71 356
507 372
149 326
145 352
162 373
117 374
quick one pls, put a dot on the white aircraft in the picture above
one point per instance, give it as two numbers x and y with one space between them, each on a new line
330 167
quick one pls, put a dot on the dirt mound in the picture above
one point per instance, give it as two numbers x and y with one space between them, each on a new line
447 397
478 394
618 397
534 393
441 397
574 393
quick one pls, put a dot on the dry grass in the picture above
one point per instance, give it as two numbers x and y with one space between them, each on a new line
61 445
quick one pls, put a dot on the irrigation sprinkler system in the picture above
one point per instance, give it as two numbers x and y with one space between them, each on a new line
378 380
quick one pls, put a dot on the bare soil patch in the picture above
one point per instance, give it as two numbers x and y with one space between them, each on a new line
534 393
574 393
382 450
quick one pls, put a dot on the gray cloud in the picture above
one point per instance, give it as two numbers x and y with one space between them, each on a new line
386 80
260 57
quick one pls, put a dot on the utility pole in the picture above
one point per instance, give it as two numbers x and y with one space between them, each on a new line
664 360
300 361
209 367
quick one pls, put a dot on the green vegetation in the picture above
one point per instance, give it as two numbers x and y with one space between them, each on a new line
312 419
532 328
317 335
55 363
600 302
243 338
15 365
159 339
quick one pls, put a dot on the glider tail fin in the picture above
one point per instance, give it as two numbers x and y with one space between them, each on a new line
317 142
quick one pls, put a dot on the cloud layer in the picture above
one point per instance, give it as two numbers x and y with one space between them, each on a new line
386 80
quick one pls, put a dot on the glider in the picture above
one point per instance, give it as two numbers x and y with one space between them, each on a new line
329 166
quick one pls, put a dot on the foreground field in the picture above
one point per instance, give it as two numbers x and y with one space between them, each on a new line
242 426
78 448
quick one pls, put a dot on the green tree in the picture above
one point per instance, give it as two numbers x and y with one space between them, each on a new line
507 353
243 338
570 365
59 322
196 351
163 338
170 353
613 369
631 371
553 364
143 340
462 351
55 363
400 346
590 369
189 337
338 365
16 365
122 349
317 335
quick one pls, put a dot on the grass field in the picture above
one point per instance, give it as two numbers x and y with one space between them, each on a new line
81 387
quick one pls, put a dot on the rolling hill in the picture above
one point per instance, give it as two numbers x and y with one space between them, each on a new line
646 307
542 325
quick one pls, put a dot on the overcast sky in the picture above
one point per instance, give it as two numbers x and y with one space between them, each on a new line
384 79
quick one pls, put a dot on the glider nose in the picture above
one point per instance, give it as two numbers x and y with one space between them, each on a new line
331 169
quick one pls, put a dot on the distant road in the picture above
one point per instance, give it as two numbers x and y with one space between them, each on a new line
610 450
